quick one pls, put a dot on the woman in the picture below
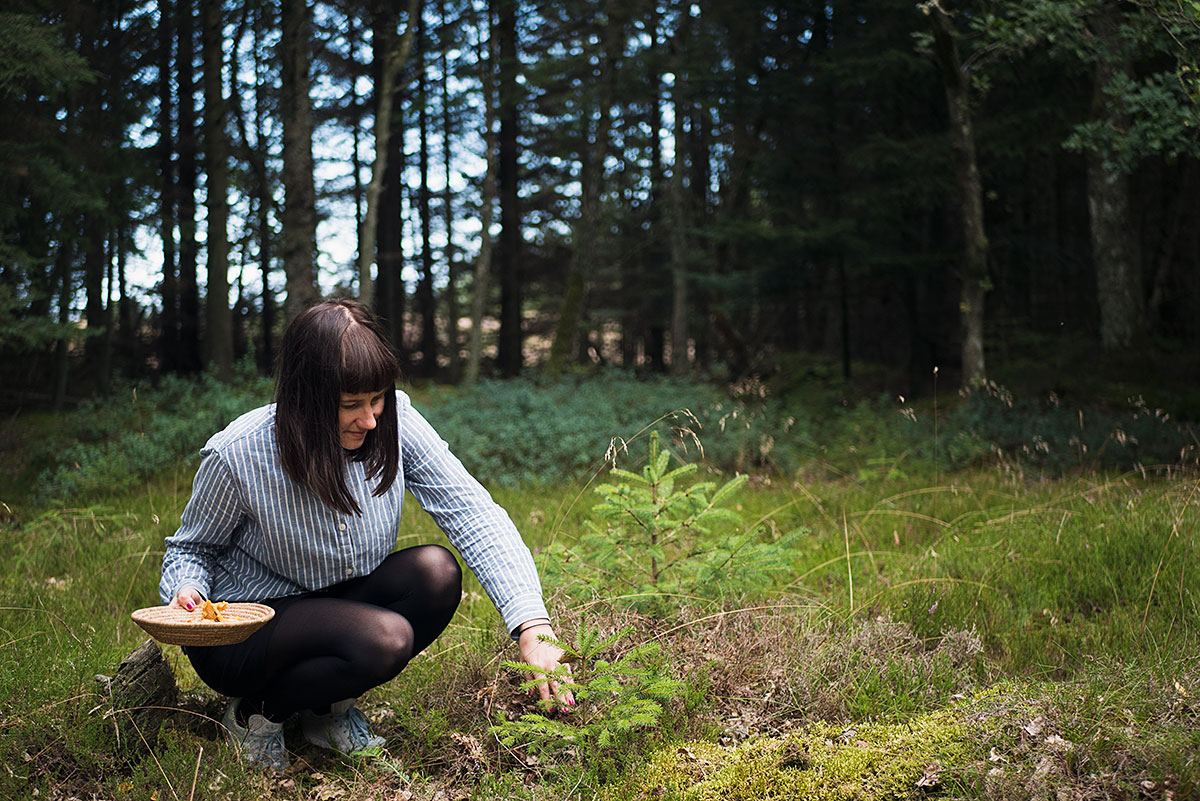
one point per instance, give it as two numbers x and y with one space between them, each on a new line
297 505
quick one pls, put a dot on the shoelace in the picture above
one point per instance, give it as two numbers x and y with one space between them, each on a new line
357 729
265 746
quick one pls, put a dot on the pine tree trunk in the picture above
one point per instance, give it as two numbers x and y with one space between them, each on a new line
483 260
970 195
1118 271
189 289
586 230
383 192
168 349
299 190
426 302
219 320
451 293
508 253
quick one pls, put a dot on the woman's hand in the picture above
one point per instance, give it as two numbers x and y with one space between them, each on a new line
187 598
546 656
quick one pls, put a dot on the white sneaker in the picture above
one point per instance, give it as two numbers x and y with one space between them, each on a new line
344 729
261 740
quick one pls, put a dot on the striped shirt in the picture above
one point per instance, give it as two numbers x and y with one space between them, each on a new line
249 532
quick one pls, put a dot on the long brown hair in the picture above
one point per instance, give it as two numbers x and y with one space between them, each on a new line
334 347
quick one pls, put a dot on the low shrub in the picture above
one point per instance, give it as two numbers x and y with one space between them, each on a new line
112 444
535 431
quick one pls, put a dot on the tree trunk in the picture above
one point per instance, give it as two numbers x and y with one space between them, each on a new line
390 59
1118 271
483 260
62 346
143 694
262 190
299 191
586 245
508 254
189 289
219 320
426 303
168 349
448 254
970 195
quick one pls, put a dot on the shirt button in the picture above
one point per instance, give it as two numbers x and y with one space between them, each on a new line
342 526
349 571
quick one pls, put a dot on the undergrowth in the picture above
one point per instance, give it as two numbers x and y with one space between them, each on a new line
1014 635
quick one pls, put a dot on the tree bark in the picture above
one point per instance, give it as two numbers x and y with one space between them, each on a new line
1118 271
483 260
299 190
390 59
426 301
448 254
586 245
168 349
143 694
189 290
970 194
219 320
508 253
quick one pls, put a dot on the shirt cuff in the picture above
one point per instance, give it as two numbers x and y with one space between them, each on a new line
518 610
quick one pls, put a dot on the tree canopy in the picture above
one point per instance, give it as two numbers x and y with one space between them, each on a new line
726 188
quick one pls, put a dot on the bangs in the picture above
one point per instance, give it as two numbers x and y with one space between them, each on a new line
368 364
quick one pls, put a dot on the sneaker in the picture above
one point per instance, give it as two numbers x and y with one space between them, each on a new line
261 740
344 729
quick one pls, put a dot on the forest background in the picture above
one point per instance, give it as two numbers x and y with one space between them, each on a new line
725 189
908 290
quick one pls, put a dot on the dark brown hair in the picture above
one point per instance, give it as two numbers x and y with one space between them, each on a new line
334 347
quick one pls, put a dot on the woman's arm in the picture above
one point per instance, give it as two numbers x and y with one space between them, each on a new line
209 520
476 525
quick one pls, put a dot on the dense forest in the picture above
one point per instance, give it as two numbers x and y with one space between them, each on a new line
728 188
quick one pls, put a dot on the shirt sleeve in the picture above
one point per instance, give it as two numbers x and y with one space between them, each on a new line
209 520
479 529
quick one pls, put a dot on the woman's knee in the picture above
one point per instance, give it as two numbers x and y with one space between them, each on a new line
441 572
384 647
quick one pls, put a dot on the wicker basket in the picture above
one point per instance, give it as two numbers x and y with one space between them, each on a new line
181 627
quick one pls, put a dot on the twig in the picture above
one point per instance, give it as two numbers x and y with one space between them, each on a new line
849 569
196 774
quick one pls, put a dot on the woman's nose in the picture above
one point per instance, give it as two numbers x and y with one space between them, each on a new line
367 420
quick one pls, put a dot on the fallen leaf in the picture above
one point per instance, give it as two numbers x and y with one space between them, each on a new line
930 777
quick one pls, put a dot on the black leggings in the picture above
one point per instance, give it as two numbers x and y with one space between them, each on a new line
339 642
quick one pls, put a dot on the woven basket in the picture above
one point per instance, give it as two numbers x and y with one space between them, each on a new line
181 627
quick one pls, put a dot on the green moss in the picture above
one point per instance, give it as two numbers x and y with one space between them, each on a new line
821 761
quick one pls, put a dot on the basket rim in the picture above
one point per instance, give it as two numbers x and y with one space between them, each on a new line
176 626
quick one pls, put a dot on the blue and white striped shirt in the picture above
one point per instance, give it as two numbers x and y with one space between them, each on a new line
249 532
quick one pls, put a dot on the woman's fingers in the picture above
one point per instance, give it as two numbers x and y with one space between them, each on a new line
187 598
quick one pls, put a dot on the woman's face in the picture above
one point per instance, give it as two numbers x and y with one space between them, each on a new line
357 414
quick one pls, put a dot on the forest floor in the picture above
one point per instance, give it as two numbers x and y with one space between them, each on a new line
885 628
982 638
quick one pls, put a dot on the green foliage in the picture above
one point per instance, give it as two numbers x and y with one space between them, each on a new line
1164 120
33 52
527 431
115 443
618 701
653 539
1054 436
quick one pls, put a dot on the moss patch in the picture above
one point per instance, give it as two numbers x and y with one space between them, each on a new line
820 761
